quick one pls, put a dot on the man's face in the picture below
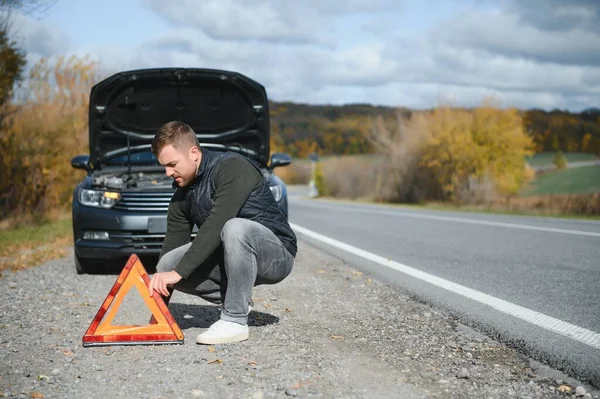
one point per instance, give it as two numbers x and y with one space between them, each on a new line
180 164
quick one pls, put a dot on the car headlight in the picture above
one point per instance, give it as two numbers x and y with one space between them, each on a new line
100 199
277 192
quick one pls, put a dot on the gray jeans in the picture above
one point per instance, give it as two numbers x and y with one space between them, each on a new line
250 255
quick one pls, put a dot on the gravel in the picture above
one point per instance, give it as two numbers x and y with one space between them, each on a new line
326 331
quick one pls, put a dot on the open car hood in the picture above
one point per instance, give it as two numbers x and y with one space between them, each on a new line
222 107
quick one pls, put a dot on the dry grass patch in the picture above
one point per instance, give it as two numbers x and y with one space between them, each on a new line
299 172
23 246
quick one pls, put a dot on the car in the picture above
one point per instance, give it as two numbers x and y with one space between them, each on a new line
119 208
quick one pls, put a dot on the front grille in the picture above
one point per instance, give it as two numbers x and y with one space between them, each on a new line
144 201
142 240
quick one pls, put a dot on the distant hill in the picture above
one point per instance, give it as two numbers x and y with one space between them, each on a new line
329 129
340 129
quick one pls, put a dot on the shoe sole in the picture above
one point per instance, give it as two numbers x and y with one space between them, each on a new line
228 340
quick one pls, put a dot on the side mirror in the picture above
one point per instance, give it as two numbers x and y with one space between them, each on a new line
280 159
81 162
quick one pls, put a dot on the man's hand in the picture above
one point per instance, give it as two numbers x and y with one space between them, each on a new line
160 281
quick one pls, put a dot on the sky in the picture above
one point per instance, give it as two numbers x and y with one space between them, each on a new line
410 53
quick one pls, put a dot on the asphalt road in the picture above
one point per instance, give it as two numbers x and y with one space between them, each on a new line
533 283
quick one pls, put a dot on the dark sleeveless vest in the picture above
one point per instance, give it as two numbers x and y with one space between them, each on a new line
260 205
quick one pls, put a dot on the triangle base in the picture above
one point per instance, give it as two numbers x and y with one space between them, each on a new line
133 340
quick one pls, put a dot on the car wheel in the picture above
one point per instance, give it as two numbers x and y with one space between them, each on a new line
86 267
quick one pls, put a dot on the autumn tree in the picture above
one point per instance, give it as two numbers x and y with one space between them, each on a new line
449 151
453 154
560 161
42 133
12 63
12 59
465 148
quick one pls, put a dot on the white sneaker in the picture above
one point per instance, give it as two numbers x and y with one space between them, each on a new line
223 332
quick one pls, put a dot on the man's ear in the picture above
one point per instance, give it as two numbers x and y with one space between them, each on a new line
195 153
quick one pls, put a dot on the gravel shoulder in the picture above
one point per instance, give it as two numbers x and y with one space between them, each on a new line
326 331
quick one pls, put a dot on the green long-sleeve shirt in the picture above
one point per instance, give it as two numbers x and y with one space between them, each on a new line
235 179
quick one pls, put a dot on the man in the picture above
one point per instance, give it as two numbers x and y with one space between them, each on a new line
243 238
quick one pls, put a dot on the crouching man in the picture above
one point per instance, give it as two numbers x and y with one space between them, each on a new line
243 237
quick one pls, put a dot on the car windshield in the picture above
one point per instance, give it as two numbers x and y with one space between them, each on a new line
135 158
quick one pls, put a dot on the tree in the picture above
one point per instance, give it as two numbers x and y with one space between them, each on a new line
560 161
401 143
25 6
12 63
504 146
466 148
12 58
42 133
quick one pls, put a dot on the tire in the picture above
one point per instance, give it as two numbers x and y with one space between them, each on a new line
86 267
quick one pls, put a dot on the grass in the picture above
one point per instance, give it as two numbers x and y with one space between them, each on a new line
547 158
569 194
567 181
323 158
539 159
437 206
21 247
474 209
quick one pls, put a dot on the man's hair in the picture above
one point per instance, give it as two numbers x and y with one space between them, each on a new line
178 134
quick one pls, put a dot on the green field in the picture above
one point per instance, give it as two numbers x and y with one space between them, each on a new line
547 158
567 181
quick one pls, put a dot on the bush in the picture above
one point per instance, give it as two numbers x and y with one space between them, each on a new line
320 181
453 154
399 176
47 126
560 161
555 204
352 177
296 173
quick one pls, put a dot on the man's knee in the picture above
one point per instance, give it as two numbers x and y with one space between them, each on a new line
236 230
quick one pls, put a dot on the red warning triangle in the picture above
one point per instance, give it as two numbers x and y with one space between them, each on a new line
102 333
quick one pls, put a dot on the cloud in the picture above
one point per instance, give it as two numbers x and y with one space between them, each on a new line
558 15
500 52
529 54
513 35
290 22
444 62
38 38
248 20
303 67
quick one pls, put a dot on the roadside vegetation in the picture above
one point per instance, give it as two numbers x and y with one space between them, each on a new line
479 158
43 128
43 123
34 244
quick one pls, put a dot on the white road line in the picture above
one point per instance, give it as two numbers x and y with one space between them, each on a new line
459 220
572 331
